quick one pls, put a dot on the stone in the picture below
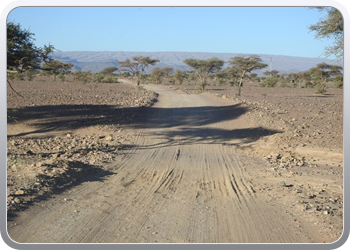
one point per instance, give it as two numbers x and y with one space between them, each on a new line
19 192
16 200
14 168
109 138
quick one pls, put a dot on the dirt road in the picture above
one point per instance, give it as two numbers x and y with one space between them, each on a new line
182 181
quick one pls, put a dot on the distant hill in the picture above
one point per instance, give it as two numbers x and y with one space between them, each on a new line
95 61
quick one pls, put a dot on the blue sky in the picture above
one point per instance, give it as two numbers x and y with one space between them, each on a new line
253 30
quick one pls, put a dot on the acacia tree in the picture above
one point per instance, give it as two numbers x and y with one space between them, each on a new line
156 75
167 71
233 73
203 68
323 72
330 27
109 70
137 65
245 65
179 76
271 73
22 54
56 67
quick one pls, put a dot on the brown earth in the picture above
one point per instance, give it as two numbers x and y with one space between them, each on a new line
106 163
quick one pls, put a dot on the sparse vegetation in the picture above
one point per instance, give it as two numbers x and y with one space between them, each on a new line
244 65
136 66
204 68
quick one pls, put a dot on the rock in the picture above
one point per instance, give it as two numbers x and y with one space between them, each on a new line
55 156
19 192
16 200
14 168
69 136
109 138
282 184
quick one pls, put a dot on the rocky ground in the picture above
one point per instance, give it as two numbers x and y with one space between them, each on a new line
61 133
43 156
304 159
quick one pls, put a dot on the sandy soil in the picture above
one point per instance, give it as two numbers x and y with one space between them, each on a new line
206 167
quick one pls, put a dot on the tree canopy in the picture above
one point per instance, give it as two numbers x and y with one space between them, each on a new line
331 27
203 68
109 70
55 67
137 65
245 65
22 54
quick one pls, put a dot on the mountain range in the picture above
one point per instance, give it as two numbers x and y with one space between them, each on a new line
95 61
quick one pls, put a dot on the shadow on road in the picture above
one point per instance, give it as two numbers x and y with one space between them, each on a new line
184 120
190 136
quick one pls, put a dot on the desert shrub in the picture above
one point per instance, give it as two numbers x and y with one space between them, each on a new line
179 76
99 77
11 76
110 79
338 82
271 81
283 84
262 84
321 88
80 76
18 76
30 74
309 84
201 85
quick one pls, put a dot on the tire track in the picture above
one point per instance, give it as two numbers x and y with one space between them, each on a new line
182 182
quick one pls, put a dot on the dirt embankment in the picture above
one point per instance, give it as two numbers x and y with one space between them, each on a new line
176 172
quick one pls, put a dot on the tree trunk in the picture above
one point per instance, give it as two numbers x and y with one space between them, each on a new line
240 86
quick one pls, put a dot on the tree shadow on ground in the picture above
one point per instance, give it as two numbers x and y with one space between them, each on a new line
191 136
185 122
76 174
64 117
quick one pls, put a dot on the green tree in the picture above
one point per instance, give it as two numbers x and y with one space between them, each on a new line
22 54
233 73
331 27
82 76
136 66
166 71
179 76
156 75
323 72
245 65
109 70
203 68
271 73
56 67
220 77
